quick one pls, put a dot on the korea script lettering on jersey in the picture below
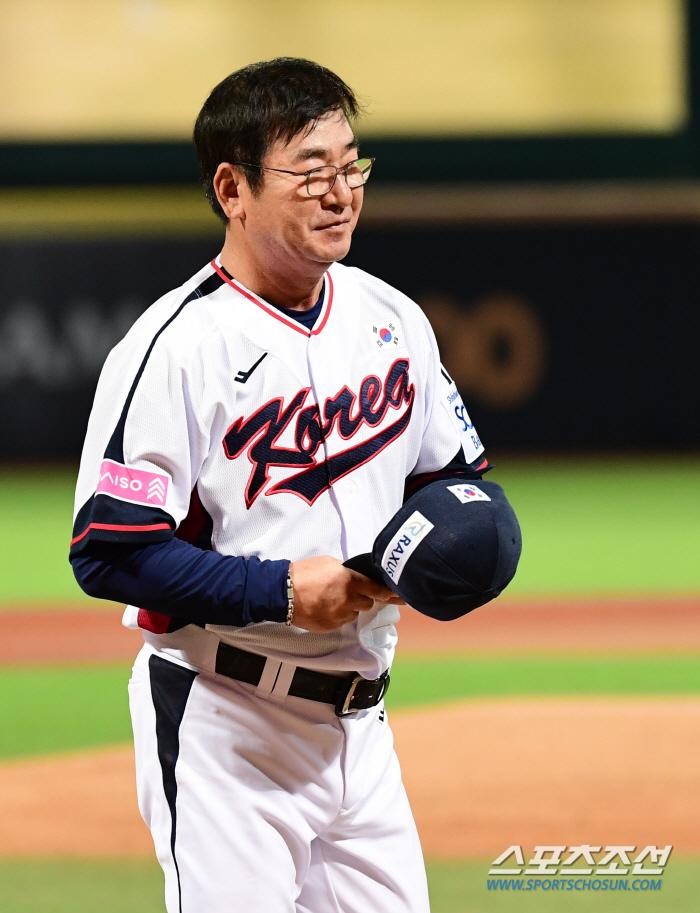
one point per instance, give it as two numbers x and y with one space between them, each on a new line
345 414
232 422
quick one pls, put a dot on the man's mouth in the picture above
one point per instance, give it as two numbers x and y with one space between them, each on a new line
339 224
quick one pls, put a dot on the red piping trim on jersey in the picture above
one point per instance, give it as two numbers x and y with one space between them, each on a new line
317 330
120 529
275 313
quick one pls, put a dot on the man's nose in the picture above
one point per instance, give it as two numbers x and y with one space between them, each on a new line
340 193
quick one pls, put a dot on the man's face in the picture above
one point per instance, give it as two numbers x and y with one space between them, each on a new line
287 223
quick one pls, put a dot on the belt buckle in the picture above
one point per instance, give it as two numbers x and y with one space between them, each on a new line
342 707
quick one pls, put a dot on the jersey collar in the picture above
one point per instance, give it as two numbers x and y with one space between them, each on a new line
272 311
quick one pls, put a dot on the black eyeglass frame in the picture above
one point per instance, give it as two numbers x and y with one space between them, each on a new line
306 174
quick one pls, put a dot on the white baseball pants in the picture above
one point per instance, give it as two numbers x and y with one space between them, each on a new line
271 806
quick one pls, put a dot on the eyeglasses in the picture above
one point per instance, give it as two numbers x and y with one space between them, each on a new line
320 181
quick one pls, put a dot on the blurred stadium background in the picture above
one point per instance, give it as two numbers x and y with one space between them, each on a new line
537 191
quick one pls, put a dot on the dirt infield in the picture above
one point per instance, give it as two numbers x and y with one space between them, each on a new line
485 775
63 635
482 776
601 625
79 804
616 625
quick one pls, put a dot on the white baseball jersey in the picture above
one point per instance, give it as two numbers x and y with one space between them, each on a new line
217 411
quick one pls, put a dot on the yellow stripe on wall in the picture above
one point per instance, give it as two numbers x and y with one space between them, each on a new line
142 68
96 213
133 212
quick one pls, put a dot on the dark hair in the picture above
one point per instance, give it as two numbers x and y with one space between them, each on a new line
259 104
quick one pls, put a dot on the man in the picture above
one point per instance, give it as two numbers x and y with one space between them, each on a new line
253 430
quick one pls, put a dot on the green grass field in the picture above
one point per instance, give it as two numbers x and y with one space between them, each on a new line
59 708
36 511
417 680
589 526
605 526
48 709
52 886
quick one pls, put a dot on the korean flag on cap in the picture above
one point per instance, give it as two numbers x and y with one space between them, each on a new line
468 493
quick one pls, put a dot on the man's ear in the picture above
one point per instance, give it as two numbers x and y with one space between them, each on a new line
227 186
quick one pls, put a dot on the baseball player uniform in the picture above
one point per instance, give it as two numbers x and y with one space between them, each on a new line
225 430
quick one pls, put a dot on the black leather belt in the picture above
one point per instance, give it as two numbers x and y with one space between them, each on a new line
347 693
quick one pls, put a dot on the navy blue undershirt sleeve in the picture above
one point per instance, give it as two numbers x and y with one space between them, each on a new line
180 580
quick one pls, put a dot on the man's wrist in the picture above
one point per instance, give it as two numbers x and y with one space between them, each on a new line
290 599
267 590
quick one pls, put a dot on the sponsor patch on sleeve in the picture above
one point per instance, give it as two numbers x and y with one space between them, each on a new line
457 411
136 485
404 543
468 493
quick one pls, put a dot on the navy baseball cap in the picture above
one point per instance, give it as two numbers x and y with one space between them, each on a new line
452 547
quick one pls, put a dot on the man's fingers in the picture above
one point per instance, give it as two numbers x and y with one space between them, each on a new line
375 591
329 595
361 602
